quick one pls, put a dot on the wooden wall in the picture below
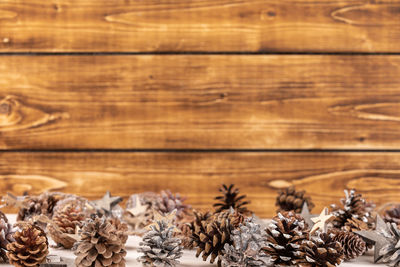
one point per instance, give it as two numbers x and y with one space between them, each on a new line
134 95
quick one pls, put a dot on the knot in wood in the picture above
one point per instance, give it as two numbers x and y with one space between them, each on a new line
5 108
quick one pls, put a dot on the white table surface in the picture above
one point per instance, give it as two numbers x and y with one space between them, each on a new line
188 258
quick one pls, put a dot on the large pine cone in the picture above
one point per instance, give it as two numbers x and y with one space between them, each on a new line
65 222
100 245
41 204
211 235
353 245
291 200
30 247
392 215
320 251
353 207
230 198
167 202
6 235
284 235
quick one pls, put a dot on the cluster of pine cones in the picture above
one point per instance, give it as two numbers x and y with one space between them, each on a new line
96 240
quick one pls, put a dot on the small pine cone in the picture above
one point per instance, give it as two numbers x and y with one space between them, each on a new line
6 235
289 199
353 245
320 251
100 244
230 198
30 247
210 237
159 247
65 222
392 215
167 202
121 229
390 253
38 205
284 235
353 207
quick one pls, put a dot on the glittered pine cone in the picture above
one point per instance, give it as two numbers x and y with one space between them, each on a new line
390 252
353 245
100 244
66 222
285 233
6 235
168 202
231 198
354 206
30 247
289 199
320 251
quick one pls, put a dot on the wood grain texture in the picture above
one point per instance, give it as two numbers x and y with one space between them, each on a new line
199 25
199 175
200 102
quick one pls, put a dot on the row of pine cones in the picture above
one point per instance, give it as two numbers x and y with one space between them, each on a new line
228 236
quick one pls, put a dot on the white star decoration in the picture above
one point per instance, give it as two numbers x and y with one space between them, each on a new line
106 204
321 221
138 209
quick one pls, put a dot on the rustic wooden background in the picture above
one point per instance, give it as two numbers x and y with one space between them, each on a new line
132 95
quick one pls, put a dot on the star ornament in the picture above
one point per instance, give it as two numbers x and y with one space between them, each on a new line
321 221
106 204
138 209
306 215
376 237
168 218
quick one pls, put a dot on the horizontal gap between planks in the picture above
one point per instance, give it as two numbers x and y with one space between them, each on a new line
190 53
202 151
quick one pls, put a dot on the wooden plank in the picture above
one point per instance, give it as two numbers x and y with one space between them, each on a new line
199 102
199 25
199 175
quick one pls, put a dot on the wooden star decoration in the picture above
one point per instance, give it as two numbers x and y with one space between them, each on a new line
376 237
138 209
305 213
14 201
106 204
321 221
168 218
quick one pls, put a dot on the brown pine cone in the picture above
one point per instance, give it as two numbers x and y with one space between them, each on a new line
353 245
6 235
284 235
100 245
236 218
187 228
30 247
210 236
289 199
392 215
66 222
353 207
230 198
320 251
41 204
167 202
